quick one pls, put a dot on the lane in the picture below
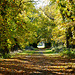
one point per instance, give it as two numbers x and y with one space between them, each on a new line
37 64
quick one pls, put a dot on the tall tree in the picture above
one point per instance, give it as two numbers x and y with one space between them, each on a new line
65 19
15 23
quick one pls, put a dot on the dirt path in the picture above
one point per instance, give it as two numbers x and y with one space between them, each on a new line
37 65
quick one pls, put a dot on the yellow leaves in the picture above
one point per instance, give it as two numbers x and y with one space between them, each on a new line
57 1
67 24
15 15
51 39
48 28
68 13
20 15
74 18
59 34
0 16
9 43
27 43
36 15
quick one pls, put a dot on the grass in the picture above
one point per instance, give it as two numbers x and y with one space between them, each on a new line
55 51
58 51
48 52
30 52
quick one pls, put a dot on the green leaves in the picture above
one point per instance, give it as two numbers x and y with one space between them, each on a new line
16 22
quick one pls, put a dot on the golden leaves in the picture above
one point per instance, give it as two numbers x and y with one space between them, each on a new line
57 1
22 64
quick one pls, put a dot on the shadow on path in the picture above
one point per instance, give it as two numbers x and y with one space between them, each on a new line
37 65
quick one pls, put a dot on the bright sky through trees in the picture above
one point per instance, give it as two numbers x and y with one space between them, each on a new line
41 3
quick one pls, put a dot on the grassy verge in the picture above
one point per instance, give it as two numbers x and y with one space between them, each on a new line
58 51
61 51
29 52
5 56
45 51
68 52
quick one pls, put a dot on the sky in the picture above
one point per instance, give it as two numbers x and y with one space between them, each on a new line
41 3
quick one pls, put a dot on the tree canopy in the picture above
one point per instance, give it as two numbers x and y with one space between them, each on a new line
22 24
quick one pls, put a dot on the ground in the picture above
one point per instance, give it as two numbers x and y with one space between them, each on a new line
38 63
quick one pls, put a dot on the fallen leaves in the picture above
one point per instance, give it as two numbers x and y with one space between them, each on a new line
37 64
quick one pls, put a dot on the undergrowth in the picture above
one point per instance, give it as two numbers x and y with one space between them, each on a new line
5 56
63 51
68 52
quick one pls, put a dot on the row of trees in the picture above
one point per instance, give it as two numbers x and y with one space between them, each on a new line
63 14
22 24
15 23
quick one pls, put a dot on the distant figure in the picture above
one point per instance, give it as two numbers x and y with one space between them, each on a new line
41 45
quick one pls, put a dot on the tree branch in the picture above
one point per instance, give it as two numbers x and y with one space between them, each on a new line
49 17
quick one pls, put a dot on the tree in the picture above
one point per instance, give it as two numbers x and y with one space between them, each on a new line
67 12
63 14
15 23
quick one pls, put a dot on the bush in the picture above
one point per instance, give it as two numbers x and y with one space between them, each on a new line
57 49
6 56
68 52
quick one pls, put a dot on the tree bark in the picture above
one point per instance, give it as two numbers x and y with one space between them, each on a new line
68 36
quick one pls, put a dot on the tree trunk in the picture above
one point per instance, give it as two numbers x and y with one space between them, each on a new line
15 47
68 36
67 42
